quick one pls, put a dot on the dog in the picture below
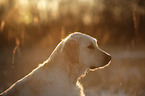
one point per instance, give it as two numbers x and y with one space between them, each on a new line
59 74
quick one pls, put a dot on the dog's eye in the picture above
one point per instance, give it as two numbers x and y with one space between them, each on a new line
90 46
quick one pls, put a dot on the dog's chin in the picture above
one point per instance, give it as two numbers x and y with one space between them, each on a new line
93 68
84 74
101 67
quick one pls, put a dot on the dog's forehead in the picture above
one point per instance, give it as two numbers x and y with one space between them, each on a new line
84 37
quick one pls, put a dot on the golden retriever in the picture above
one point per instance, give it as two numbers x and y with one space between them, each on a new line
59 74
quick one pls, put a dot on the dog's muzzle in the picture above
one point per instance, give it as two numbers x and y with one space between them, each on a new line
106 60
93 67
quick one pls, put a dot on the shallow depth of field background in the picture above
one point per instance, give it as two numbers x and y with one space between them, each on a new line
31 29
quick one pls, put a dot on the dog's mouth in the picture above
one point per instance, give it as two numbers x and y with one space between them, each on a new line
93 68
101 67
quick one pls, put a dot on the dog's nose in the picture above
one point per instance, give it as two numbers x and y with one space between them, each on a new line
107 58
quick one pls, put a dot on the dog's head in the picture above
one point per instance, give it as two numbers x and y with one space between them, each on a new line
83 49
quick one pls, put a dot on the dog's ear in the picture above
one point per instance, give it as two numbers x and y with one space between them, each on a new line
71 50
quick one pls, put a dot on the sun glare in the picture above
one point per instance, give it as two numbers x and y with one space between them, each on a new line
54 5
42 5
23 3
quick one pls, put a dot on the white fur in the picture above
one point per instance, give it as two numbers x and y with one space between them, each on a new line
59 74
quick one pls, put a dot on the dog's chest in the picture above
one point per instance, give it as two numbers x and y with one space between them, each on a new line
61 91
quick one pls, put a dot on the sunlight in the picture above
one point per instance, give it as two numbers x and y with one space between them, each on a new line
87 19
53 5
30 30
23 7
53 8
23 3
91 2
50 6
3 2
35 19
42 5
2 25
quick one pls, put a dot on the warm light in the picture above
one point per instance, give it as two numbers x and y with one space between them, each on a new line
45 6
87 1
54 7
87 19
42 4
26 18
2 25
24 14
35 20
23 3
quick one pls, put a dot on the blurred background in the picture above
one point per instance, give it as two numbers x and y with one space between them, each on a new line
31 29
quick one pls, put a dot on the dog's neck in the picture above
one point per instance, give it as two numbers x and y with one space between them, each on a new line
61 66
